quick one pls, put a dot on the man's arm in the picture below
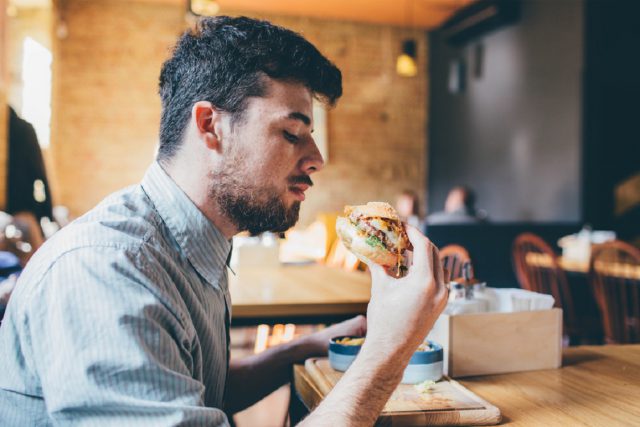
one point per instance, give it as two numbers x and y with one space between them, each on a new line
400 314
254 377
362 392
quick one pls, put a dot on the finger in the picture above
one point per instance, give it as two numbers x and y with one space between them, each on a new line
361 324
356 326
441 278
378 275
405 225
422 253
446 274
355 321
376 269
438 270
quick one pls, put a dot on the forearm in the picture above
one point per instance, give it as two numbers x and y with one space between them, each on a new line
254 377
361 394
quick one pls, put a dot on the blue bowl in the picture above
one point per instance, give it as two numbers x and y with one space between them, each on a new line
341 356
423 365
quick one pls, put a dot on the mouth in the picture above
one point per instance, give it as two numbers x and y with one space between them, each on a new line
298 191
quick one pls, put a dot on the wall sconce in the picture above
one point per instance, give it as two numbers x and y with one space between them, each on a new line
406 63
203 7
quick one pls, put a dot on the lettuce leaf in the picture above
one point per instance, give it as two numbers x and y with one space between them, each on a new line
374 241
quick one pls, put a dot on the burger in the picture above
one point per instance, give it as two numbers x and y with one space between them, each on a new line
373 232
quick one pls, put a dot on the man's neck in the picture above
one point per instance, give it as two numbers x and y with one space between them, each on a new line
194 182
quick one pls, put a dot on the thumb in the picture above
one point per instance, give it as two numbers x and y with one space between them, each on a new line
422 252
378 276
376 270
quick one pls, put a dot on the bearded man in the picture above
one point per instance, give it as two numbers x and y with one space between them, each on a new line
122 318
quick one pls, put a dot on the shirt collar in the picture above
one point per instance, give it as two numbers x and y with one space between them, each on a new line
203 244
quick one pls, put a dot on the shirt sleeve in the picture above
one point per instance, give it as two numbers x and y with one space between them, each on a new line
110 350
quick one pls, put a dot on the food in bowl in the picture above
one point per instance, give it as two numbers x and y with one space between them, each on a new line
425 346
350 341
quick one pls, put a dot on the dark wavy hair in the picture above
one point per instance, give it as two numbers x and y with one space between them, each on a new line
224 60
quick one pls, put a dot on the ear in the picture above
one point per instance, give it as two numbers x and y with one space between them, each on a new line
207 120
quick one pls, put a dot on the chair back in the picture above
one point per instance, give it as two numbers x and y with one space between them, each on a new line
340 257
328 221
454 258
614 273
545 275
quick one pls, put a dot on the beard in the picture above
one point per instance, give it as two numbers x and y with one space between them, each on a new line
249 206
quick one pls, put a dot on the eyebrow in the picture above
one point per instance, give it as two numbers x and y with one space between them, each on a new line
299 116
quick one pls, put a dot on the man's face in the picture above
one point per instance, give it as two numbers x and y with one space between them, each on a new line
267 160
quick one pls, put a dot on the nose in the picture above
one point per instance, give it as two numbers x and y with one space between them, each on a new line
312 161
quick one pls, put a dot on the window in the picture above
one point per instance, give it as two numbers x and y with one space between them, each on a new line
36 93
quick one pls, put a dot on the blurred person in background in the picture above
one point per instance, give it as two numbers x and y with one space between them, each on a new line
459 208
408 207
28 192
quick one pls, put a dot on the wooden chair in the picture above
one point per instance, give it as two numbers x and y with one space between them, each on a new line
550 279
453 258
617 290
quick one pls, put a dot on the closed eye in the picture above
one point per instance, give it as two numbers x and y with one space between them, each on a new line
290 137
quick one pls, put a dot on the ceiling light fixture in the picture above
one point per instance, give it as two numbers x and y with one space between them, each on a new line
406 63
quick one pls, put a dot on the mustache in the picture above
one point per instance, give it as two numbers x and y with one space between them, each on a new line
301 179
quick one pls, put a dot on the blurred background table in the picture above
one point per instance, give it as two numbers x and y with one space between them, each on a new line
298 294
627 271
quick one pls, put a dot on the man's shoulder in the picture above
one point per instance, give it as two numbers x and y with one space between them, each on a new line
122 240
125 221
124 218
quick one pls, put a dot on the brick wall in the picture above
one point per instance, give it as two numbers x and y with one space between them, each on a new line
105 104
107 110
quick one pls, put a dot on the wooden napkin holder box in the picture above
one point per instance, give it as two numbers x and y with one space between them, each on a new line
497 343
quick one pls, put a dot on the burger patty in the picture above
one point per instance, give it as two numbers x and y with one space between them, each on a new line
363 223
372 231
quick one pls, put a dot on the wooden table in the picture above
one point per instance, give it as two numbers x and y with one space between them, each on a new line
615 269
310 293
597 386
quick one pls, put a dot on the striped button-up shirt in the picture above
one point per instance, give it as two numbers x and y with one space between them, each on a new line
122 318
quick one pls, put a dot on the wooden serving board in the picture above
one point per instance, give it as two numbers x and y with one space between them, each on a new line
448 403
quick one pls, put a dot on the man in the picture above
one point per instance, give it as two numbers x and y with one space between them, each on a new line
28 193
459 208
28 187
123 317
